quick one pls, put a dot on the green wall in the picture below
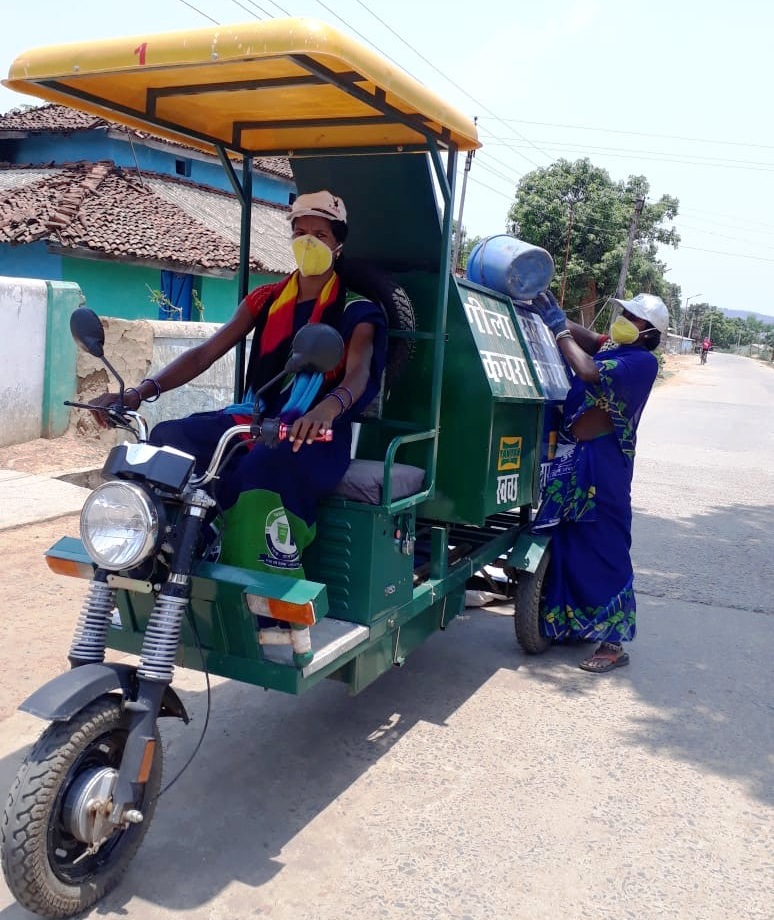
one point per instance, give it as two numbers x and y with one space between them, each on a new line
119 289
114 288
219 296
59 382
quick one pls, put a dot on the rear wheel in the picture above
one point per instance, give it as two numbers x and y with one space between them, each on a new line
528 609
55 860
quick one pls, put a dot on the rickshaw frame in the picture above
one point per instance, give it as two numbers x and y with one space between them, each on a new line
208 76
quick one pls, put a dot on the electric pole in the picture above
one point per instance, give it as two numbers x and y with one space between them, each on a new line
572 197
639 204
458 234
566 253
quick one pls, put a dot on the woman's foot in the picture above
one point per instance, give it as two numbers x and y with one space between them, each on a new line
607 657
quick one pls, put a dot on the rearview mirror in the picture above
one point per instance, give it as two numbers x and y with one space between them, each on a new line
316 347
87 331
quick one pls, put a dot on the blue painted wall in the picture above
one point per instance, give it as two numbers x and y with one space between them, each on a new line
117 288
30 261
96 145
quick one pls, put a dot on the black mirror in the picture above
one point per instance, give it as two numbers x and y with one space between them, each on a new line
87 331
317 347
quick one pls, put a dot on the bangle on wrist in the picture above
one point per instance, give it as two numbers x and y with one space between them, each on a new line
154 383
348 392
335 395
136 392
563 334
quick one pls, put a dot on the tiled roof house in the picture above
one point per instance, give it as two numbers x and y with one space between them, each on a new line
125 214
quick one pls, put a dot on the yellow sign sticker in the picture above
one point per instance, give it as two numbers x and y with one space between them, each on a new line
509 456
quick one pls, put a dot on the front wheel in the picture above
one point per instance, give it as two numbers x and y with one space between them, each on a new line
58 853
528 609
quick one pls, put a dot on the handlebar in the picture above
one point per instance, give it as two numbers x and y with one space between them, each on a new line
118 416
283 432
270 431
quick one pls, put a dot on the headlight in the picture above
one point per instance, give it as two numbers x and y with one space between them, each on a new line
119 525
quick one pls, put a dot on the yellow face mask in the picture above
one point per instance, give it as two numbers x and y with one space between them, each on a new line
312 255
623 331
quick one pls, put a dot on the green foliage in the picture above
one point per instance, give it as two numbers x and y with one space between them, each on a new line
171 310
704 319
578 203
467 244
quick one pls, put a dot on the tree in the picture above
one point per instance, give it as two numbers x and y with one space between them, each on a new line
582 217
467 244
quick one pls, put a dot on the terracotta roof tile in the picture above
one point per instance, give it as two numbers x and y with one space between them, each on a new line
155 218
49 119
61 119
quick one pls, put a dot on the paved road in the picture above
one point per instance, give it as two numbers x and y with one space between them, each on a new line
477 783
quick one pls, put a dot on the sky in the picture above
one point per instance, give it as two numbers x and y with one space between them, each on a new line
676 91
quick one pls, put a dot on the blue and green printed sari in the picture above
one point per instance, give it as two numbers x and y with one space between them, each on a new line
589 585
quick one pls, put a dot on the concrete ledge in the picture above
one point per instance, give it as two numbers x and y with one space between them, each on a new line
27 499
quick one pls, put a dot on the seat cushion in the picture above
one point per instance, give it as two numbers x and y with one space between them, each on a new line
364 480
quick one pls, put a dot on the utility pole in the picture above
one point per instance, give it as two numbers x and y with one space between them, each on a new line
639 204
458 234
566 254
687 301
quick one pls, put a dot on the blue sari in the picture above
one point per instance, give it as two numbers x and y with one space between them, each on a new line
586 507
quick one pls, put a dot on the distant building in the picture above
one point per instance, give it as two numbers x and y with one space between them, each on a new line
146 227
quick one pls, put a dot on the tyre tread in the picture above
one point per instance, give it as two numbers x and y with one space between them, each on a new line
24 822
527 612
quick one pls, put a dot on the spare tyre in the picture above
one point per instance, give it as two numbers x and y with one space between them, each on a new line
363 277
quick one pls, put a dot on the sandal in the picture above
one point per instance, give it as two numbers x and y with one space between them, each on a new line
606 658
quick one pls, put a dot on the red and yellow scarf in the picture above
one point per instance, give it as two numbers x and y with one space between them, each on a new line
273 306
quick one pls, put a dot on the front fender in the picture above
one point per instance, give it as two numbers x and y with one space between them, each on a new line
527 552
68 693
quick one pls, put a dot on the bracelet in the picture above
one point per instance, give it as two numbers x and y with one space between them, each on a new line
348 392
563 334
134 390
335 395
150 399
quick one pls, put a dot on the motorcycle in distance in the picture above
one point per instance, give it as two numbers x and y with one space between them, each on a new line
84 797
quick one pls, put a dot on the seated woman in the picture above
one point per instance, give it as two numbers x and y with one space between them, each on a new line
269 496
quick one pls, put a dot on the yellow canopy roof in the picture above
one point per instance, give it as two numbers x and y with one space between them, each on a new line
283 86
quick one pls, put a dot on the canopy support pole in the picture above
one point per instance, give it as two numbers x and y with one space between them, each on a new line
446 181
244 192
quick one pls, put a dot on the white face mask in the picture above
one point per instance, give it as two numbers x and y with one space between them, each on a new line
312 256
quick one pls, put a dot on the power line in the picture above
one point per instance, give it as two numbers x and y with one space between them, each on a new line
449 80
197 10
657 157
495 172
638 152
360 35
726 217
495 190
723 236
736 255
265 12
671 137
243 7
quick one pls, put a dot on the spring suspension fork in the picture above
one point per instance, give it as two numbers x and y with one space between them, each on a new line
88 645
162 634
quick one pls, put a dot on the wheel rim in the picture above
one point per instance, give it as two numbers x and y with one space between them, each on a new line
66 852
